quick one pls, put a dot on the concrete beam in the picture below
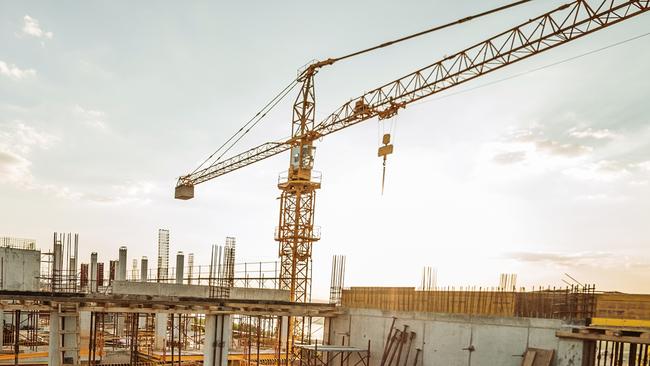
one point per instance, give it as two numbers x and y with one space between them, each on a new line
34 300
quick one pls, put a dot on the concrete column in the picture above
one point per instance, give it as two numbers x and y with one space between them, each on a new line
2 326
72 273
161 330
121 266
68 341
53 344
144 269
217 340
121 319
180 262
57 266
285 328
93 272
84 328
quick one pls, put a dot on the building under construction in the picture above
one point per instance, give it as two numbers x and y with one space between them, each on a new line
58 311
230 313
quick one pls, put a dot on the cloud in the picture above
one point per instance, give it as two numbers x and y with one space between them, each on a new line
511 157
17 140
532 152
577 259
542 144
601 198
93 118
125 193
604 171
600 134
14 168
32 27
14 72
643 166
559 149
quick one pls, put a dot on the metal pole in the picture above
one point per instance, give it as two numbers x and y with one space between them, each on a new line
223 318
279 337
387 348
408 348
90 341
368 354
401 344
16 337
417 355
289 331
214 343
258 340
180 341
172 337
250 338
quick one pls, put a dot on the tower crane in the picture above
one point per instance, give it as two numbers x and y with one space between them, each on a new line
296 232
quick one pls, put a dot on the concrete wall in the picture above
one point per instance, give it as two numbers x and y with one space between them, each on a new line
172 289
20 269
444 338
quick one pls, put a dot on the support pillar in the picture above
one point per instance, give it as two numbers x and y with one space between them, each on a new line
84 328
121 323
284 325
121 267
217 340
144 269
54 358
180 263
63 344
2 327
161 330
93 272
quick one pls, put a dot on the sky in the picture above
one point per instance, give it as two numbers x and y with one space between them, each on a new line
539 169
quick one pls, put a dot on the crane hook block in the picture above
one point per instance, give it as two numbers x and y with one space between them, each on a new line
387 149
184 192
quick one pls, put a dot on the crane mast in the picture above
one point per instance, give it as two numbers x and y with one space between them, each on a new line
296 232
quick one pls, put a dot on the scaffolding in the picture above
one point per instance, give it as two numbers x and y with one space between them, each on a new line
17 243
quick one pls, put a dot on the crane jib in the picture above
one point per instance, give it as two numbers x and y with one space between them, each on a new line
566 23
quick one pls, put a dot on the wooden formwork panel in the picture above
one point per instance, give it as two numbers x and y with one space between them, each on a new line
623 306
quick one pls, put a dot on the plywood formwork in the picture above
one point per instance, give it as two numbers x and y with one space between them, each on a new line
546 303
623 306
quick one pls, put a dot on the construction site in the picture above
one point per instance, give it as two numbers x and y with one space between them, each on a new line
210 308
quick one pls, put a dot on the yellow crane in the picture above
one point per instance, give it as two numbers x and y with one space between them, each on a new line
296 232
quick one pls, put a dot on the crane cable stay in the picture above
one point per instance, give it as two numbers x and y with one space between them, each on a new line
246 128
254 121
330 61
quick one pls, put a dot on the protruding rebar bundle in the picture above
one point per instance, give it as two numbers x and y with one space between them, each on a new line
337 279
